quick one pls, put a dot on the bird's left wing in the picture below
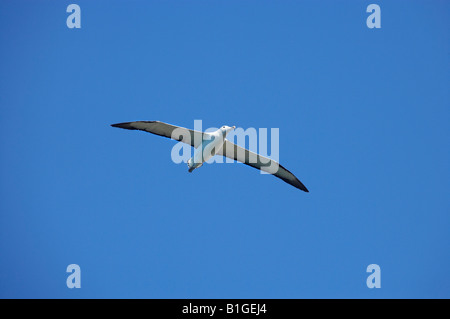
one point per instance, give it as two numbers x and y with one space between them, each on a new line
177 133
260 162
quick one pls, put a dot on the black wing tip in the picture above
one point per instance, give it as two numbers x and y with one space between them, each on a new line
126 125
304 189
296 183
300 186
129 126
120 124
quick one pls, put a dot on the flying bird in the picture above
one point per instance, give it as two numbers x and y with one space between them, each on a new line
209 144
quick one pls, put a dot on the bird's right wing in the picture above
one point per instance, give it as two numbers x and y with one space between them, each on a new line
177 133
260 162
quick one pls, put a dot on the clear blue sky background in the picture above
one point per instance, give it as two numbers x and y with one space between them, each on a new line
364 123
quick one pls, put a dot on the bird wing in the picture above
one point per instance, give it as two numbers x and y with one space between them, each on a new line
177 133
260 162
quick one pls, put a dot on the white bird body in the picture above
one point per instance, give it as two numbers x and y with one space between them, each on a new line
212 144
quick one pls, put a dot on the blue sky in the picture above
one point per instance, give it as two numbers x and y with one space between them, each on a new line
363 117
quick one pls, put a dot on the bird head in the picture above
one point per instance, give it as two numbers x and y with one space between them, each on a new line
227 129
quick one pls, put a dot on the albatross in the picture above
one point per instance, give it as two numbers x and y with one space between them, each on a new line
209 144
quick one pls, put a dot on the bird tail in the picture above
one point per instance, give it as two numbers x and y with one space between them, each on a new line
192 165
